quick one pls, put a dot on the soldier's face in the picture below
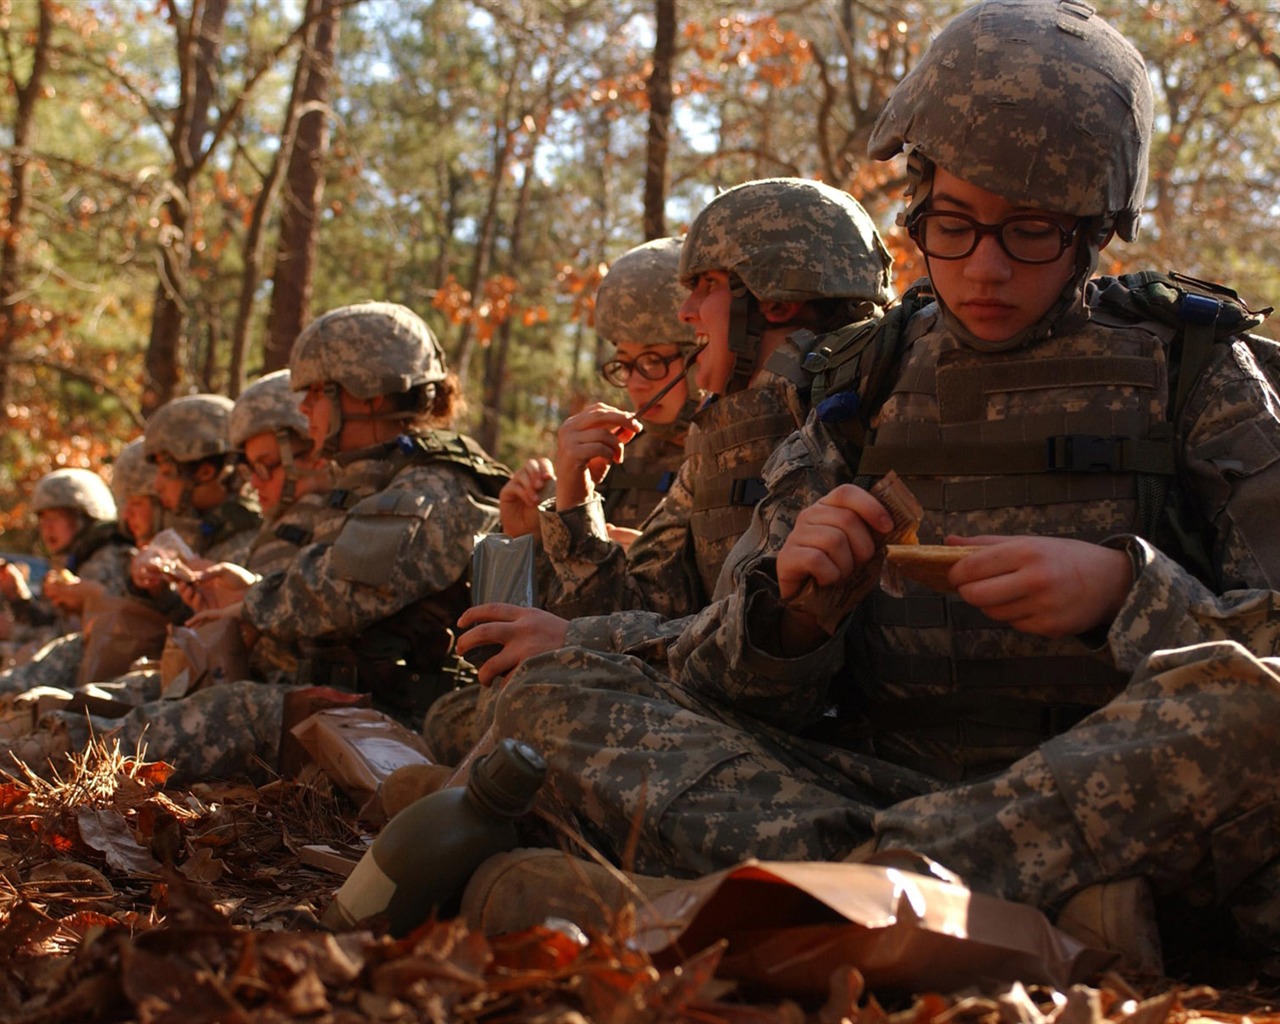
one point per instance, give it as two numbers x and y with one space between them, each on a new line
140 517
641 388
169 483
706 310
992 294
266 470
57 528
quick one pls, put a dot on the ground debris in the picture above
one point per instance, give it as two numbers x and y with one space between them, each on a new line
121 901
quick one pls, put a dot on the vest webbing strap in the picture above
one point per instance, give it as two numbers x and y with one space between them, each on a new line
1062 453
744 491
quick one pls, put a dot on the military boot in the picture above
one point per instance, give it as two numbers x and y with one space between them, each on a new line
1120 917
522 889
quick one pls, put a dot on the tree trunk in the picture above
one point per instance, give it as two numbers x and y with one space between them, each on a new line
199 44
658 89
304 190
11 247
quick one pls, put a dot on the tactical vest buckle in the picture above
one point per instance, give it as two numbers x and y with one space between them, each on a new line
1083 453
747 490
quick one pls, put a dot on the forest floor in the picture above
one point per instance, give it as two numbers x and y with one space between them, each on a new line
122 900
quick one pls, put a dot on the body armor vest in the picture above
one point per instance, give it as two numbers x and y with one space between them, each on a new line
404 661
727 447
634 489
1051 439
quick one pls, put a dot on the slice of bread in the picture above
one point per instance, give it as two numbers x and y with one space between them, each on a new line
926 563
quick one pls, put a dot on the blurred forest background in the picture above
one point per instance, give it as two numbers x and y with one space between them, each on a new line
184 183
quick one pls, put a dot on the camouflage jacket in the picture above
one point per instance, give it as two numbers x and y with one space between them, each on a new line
1227 460
670 569
409 539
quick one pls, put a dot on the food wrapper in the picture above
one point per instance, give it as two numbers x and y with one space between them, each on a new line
358 748
117 632
169 555
829 605
790 926
502 572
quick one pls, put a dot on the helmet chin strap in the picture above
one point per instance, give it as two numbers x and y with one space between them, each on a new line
746 328
337 419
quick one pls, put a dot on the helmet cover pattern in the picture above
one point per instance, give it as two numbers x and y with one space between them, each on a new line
78 489
189 428
370 349
789 239
1039 101
266 406
639 300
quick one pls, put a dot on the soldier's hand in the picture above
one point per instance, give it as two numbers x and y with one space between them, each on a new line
833 541
587 444
1050 586
623 535
518 500
13 584
519 632
217 586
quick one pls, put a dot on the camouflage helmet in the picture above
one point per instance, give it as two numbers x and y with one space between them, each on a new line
266 406
370 349
80 490
789 239
131 474
1038 101
189 429
639 299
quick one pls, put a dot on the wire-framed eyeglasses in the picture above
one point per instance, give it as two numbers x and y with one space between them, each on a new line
1024 237
650 366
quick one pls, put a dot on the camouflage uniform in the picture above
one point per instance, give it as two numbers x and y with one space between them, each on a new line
375 608
99 553
1173 777
188 430
776 237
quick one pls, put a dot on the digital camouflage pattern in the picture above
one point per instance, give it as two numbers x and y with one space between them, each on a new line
371 349
189 428
789 239
672 566
131 474
792 785
639 299
410 540
267 406
80 490
1061 120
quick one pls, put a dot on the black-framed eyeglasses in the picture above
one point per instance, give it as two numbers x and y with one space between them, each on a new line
1024 237
650 366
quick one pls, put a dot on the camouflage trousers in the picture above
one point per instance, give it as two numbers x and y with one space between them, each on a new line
1177 779
56 664
698 786
223 731
456 720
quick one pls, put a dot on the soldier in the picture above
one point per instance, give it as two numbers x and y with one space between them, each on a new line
133 487
1056 728
771 266
638 315
187 441
90 557
374 607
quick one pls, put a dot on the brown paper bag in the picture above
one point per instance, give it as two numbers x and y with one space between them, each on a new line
206 655
117 632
